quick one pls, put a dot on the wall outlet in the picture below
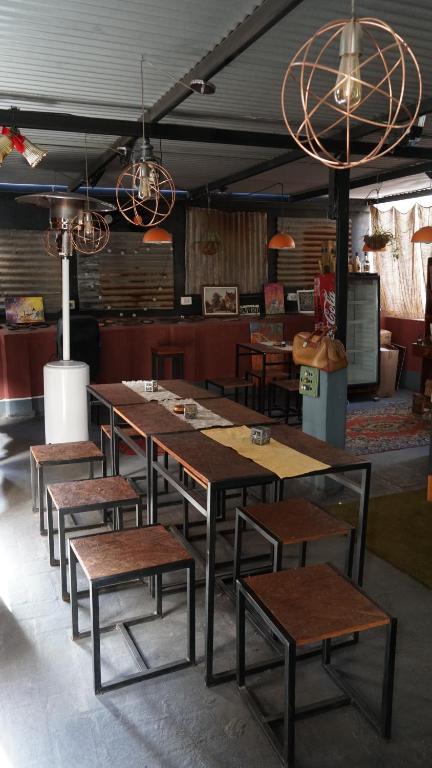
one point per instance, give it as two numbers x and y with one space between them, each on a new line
291 296
71 303
186 301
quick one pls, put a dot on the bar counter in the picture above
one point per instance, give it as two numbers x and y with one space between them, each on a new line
210 349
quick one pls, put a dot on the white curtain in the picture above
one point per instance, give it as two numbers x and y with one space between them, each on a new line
403 279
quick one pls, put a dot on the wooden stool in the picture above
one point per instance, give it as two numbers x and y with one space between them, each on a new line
111 559
236 385
291 389
53 455
85 496
294 521
301 607
159 357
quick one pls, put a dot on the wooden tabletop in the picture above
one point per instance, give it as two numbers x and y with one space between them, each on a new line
211 462
120 394
152 418
186 389
236 413
316 449
267 349
115 394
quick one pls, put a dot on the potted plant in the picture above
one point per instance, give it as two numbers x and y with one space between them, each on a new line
379 239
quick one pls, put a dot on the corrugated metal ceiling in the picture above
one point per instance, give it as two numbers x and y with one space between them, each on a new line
83 58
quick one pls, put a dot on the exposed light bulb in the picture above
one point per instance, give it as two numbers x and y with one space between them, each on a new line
144 185
348 92
88 224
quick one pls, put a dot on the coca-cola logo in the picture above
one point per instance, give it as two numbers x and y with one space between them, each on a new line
329 307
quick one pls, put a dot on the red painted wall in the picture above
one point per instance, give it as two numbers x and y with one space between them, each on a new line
405 332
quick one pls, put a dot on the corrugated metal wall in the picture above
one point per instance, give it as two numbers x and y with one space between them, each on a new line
27 269
127 274
298 267
240 254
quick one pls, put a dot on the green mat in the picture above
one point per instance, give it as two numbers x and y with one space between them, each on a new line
399 531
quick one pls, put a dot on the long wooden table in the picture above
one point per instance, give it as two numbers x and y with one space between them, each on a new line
217 468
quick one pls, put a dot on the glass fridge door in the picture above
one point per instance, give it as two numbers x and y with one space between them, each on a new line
363 330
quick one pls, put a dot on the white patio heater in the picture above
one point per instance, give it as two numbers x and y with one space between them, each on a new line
65 381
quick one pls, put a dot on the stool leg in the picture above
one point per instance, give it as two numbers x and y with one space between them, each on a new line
52 559
302 554
62 547
185 519
154 369
158 580
191 612
241 637
91 471
326 652
138 515
238 530
181 367
94 604
349 557
388 682
277 556
33 482
289 705
40 481
165 462
73 593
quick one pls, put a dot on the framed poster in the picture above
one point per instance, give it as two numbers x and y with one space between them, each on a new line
220 300
274 299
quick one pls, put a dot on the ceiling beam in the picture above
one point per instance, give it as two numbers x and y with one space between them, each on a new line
260 21
364 181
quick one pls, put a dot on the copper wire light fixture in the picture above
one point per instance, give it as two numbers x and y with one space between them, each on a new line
89 229
145 189
375 65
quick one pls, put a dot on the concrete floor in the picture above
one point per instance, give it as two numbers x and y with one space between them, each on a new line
50 718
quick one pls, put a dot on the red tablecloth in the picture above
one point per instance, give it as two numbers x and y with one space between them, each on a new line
126 350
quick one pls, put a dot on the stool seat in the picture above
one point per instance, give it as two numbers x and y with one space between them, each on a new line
289 385
84 493
167 351
231 383
58 453
315 603
123 552
296 520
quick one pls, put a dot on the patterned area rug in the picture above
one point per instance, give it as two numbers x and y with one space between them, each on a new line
387 428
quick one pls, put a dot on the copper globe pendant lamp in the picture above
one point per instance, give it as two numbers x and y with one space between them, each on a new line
145 189
338 91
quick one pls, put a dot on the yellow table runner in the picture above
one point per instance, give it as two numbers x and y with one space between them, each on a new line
275 456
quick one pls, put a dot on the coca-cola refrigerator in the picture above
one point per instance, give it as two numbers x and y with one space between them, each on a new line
363 332
363 326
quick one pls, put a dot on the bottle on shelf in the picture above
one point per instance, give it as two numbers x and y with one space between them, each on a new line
366 263
350 265
357 263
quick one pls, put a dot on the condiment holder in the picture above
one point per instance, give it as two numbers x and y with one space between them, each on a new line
150 385
190 410
260 435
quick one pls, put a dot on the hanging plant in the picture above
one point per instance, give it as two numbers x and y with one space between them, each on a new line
211 245
379 239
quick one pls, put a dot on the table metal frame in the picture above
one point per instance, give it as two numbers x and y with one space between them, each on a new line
210 509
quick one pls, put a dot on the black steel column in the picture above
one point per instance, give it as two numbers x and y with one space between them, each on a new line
342 179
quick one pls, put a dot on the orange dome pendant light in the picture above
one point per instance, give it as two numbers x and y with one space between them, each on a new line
422 235
281 241
157 236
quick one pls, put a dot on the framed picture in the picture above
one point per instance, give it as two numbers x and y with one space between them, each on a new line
305 302
220 300
24 310
274 299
